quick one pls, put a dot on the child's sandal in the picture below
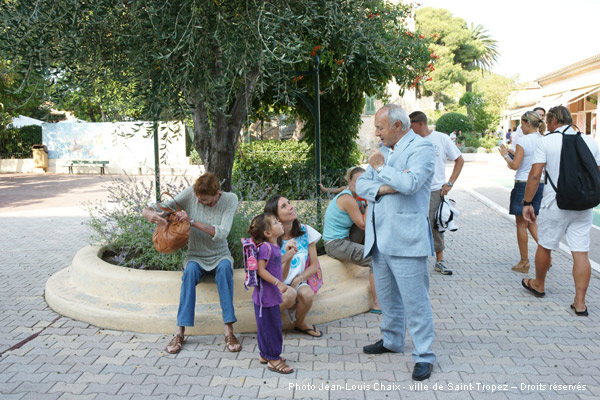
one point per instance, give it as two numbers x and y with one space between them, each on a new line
280 367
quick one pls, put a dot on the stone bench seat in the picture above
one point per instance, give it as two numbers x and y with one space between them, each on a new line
114 297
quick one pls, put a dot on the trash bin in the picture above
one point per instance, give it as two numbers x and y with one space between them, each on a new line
40 156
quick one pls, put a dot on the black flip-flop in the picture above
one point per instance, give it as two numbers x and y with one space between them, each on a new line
583 313
532 290
307 331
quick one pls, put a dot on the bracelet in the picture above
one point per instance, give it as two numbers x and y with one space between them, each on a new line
276 282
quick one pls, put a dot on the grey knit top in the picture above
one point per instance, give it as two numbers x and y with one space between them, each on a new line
204 249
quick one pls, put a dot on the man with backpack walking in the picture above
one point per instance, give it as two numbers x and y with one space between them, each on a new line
572 163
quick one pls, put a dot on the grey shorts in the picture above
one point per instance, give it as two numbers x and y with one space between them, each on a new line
346 250
438 237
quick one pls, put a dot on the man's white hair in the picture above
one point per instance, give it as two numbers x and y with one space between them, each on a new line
397 113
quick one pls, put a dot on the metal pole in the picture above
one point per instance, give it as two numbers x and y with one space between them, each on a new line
318 135
156 161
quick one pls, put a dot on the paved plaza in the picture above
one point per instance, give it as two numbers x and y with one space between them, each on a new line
493 339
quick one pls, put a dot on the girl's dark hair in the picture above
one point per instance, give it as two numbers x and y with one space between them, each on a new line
258 226
272 208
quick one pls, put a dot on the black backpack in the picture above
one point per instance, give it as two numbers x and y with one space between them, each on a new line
578 186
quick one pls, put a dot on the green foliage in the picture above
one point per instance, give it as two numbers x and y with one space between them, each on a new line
16 99
119 224
18 142
359 56
488 142
339 126
496 90
463 53
285 167
471 140
210 59
476 111
453 121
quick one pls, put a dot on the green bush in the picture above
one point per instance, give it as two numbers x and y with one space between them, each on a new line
453 121
18 142
471 140
488 142
278 166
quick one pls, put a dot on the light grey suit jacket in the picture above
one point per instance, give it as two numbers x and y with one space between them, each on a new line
399 222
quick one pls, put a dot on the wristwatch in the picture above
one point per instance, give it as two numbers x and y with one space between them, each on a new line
192 222
380 168
526 203
449 184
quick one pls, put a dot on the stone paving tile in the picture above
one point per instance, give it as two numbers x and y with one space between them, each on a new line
488 329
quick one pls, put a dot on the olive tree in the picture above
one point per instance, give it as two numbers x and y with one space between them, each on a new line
208 59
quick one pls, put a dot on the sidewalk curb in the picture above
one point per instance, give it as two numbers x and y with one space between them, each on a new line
504 212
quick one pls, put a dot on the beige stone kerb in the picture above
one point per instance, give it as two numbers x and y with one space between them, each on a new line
113 297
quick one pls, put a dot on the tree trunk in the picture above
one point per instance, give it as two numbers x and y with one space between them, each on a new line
216 145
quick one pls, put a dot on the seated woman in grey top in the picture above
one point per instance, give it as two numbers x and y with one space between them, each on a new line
210 213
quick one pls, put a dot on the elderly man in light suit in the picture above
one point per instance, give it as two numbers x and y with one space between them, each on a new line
398 235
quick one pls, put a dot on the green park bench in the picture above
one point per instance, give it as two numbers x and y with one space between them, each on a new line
87 163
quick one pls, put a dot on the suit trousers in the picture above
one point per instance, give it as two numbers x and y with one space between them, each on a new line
402 285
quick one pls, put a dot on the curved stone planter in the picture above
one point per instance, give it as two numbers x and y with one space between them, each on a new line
113 297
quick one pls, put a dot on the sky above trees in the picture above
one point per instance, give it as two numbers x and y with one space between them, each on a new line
528 31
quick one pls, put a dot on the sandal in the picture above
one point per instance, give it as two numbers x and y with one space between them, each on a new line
280 367
583 313
522 266
264 360
176 344
310 331
527 285
231 341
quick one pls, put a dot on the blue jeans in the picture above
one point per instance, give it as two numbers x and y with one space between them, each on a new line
402 285
192 275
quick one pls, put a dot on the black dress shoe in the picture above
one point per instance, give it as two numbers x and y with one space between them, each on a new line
422 371
376 348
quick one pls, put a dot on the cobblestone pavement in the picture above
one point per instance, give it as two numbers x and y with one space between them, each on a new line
493 339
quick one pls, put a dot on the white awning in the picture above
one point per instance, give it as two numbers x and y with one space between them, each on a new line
572 96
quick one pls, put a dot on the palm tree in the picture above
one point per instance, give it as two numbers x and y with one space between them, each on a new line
490 54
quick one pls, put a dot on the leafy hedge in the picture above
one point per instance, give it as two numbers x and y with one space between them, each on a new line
453 121
18 142
276 166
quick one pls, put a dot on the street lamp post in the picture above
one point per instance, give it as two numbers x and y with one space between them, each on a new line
315 110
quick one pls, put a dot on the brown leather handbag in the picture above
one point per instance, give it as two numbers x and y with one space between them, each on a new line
172 236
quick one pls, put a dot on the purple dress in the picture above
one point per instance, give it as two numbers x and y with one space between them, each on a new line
271 296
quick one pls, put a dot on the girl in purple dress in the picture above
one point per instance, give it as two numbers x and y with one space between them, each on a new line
265 229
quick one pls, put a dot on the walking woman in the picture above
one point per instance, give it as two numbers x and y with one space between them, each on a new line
533 128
